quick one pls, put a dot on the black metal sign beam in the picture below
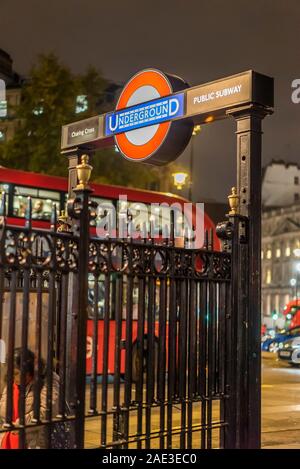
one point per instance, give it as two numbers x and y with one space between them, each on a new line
203 104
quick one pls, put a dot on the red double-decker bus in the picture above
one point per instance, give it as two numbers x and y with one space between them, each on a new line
45 191
292 313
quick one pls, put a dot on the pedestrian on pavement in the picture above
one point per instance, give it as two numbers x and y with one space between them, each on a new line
35 436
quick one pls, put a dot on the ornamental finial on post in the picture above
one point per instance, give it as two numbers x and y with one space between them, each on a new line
64 226
83 173
233 200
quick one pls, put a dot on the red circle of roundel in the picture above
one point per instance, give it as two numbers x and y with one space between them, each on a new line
160 82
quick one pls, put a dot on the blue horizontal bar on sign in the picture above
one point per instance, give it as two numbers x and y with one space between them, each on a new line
145 114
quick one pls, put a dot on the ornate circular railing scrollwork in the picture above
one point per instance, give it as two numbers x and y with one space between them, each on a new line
201 264
74 207
222 266
161 261
41 249
66 253
119 257
17 247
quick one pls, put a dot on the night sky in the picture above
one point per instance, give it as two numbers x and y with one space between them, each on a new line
195 39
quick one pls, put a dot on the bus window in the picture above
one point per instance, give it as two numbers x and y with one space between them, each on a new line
42 202
5 188
91 296
140 213
181 222
134 299
106 204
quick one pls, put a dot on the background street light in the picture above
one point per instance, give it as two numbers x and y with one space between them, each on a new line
293 283
179 179
297 254
196 130
297 279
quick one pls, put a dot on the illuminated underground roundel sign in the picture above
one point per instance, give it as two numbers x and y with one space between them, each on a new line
144 123
155 114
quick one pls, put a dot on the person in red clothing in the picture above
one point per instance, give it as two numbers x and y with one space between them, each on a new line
35 435
10 439
263 329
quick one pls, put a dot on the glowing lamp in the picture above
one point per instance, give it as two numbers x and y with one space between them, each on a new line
179 179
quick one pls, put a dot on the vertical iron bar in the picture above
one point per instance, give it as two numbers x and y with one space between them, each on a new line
140 351
2 296
223 357
214 339
2 256
219 340
182 357
10 348
71 337
38 349
128 353
161 363
191 360
24 328
150 356
203 358
117 368
2 279
106 334
24 345
62 344
171 352
49 367
210 358
93 384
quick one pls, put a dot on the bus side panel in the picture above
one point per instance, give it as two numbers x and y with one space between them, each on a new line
111 345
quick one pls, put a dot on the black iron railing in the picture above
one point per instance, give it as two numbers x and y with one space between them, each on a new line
159 336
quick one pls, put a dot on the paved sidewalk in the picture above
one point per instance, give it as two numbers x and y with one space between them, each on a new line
280 405
280 410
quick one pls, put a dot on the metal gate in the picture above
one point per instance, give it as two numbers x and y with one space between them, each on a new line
177 362
172 383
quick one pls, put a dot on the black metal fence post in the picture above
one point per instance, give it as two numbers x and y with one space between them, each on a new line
82 316
78 210
71 224
228 232
248 276
236 341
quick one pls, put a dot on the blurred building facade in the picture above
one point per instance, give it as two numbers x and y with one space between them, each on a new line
280 184
14 83
280 237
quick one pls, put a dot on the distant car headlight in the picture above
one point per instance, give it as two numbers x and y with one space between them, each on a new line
287 344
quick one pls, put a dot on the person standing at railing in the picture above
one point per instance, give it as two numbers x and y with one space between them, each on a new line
35 436
10 439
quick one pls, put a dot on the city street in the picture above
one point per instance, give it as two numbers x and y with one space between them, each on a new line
280 409
280 404
149 227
